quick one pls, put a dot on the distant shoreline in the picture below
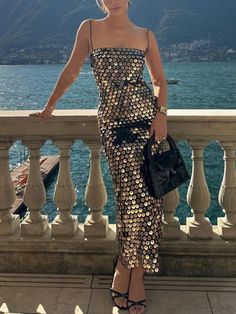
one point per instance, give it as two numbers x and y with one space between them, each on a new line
182 61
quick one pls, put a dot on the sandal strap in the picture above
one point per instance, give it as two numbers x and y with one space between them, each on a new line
119 294
140 302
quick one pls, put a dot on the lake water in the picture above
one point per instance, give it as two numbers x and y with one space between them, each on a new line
202 85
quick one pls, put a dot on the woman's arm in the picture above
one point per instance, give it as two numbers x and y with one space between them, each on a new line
155 69
72 68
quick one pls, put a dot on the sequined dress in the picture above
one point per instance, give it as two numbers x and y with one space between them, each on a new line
126 109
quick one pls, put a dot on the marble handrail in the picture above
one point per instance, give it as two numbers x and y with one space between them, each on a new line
196 126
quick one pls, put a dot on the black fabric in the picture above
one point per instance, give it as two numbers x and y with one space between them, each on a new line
165 171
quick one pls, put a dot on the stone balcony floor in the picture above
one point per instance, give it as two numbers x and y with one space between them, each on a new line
80 294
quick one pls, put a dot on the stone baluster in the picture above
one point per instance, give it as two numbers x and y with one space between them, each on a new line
227 193
171 225
34 197
64 224
8 222
96 224
198 196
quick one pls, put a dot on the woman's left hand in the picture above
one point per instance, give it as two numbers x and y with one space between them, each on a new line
159 127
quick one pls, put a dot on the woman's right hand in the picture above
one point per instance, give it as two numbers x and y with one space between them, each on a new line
46 113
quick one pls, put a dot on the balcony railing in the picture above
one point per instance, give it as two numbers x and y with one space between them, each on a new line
196 248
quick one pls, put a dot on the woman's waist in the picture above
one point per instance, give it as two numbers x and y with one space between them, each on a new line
115 114
120 82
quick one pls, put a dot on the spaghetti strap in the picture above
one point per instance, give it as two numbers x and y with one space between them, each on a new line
147 41
91 34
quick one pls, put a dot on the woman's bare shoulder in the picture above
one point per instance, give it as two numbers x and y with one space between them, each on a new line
140 28
87 21
96 20
85 24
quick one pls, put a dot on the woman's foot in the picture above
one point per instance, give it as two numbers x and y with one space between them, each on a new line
137 291
120 283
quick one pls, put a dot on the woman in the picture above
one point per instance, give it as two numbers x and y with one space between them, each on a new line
128 113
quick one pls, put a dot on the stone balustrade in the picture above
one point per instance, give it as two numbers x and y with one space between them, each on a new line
197 248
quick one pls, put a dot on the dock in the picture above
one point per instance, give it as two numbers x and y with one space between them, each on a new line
48 166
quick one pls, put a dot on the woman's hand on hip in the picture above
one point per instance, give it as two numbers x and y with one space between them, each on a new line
159 127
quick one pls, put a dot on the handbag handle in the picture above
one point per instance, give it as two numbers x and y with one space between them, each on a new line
152 141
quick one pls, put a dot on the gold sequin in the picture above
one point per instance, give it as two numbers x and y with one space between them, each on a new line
126 109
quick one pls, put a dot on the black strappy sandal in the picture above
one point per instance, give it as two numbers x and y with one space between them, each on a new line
117 293
139 302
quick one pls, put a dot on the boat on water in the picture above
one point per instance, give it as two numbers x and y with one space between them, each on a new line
172 81
48 165
169 81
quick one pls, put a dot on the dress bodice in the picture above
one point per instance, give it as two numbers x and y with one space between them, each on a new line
119 65
118 73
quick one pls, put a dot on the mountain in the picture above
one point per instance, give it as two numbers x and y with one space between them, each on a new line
34 22
53 23
189 20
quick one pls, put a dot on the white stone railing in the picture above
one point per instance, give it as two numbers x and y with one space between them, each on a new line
197 127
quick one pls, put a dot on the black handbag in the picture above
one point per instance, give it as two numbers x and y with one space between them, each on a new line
165 170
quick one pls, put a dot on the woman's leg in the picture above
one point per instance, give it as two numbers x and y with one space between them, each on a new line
136 289
121 282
